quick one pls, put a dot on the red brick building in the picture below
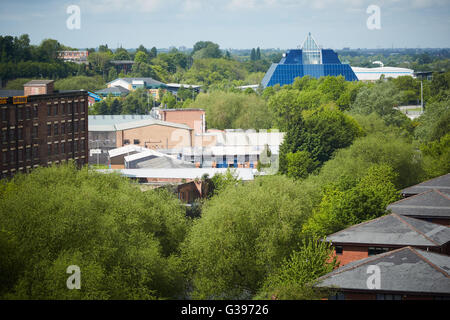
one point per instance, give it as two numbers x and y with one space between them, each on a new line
441 183
40 127
432 206
388 233
193 118
402 274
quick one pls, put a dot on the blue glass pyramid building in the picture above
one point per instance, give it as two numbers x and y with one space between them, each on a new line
311 61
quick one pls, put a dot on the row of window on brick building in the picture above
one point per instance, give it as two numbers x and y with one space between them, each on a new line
52 110
53 149
54 129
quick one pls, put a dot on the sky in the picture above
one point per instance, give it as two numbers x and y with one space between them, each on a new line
237 24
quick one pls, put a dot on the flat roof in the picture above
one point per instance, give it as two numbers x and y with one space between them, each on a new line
124 122
38 82
245 174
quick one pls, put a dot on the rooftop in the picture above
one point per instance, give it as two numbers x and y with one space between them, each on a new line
115 90
38 82
123 122
441 183
186 173
126 150
394 230
148 81
11 93
152 159
187 86
432 203
406 270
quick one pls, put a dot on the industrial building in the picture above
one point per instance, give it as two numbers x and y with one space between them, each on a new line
374 74
130 84
108 132
41 127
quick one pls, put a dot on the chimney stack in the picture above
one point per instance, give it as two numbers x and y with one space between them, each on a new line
37 87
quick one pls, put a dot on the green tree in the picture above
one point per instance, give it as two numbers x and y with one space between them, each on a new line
295 278
378 148
436 155
121 54
169 101
112 74
253 55
300 164
137 102
80 83
226 110
125 241
343 207
435 122
320 133
244 234
140 56
205 50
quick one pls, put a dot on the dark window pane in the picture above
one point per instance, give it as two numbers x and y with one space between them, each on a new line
35 132
12 134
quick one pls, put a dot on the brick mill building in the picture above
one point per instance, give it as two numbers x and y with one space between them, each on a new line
41 127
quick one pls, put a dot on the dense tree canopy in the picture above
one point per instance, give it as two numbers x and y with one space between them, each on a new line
244 234
125 241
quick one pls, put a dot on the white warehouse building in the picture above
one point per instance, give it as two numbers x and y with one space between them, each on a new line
374 74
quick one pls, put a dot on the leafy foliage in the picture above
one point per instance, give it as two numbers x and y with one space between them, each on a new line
244 233
342 206
125 241
295 278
